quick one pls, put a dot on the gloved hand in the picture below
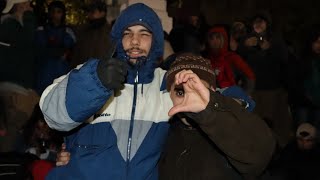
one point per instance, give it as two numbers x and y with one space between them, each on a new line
112 73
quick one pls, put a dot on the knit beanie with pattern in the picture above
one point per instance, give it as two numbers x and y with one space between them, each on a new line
198 64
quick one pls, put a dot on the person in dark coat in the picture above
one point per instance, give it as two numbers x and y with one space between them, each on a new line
55 41
17 29
267 55
223 141
92 37
300 159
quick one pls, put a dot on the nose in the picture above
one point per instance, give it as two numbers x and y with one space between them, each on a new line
135 40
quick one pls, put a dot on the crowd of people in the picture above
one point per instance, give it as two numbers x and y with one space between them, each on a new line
129 101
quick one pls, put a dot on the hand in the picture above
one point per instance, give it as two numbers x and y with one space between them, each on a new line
265 44
196 95
233 45
112 73
252 41
63 156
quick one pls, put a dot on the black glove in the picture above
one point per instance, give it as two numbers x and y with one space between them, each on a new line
112 73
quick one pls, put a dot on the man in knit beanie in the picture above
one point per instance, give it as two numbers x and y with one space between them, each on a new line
211 135
203 69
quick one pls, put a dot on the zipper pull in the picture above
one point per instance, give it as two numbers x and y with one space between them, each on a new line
128 152
136 80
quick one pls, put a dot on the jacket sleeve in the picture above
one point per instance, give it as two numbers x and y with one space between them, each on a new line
242 66
244 138
74 98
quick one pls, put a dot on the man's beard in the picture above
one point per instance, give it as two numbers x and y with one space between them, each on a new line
97 23
140 60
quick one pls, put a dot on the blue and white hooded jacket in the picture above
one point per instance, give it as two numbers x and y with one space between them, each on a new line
125 137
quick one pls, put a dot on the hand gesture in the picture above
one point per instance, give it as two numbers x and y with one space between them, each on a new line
195 97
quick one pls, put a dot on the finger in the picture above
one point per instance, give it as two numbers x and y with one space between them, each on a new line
122 71
176 109
64 159
181 74
124 65
63 146
64 154
199 88
117 86
121 78
60 163
120 64
190 76
177 77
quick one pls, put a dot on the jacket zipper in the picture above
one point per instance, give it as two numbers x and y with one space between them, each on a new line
132 121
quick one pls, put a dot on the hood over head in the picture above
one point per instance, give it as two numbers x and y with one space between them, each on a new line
139 14
221 30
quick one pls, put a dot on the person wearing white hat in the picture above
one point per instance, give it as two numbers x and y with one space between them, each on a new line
17 30
17 60
300 159
11 3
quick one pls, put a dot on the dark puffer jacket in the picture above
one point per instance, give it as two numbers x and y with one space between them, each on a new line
226 142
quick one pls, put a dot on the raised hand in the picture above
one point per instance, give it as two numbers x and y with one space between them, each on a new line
195 97
112 73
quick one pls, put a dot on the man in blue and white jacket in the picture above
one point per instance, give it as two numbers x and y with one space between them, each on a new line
121 103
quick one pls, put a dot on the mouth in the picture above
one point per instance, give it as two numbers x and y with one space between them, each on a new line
134 53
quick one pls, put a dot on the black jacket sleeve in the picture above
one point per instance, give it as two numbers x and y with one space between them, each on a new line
243 137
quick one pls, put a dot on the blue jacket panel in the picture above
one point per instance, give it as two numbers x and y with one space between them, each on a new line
85 93
95 155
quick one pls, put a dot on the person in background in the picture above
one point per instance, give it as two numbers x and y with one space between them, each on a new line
266 52
93 38
40 140
226 63
55 41
188 34
17 29
300 159
17 68
310 110
238 31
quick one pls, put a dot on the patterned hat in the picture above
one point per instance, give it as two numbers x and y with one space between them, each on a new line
188 61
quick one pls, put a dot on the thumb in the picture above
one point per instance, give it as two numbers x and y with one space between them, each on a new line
176 109
63 147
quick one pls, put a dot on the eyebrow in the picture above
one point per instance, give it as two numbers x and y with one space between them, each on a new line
140 30
178 87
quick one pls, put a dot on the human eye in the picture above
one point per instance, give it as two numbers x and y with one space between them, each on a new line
145 33
179 92
126 33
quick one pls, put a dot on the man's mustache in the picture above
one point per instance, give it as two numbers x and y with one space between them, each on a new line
134 49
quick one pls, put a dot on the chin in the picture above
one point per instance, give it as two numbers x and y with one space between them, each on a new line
132 61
